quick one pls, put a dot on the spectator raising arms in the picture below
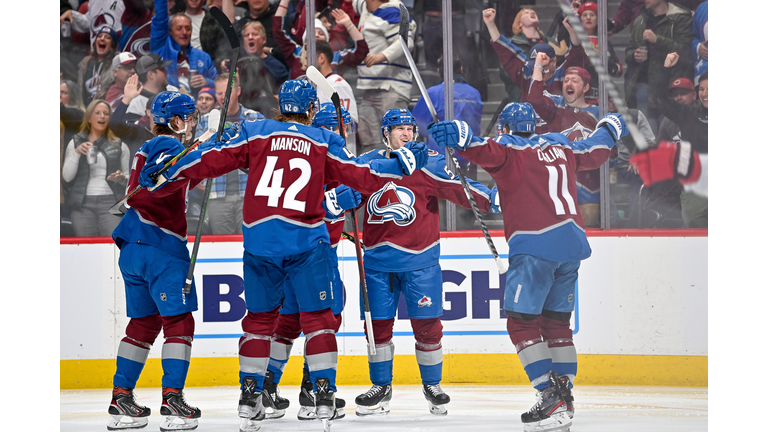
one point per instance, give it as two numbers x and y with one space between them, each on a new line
191 69
660 29
95 167
123 67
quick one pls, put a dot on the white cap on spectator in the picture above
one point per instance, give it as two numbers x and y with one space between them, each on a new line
318 25
122 59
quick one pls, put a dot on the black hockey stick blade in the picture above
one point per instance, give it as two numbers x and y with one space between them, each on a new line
405 21
234 42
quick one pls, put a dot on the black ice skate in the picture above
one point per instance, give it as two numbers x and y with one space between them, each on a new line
437 399
375 401
177 414
325 403
125 412
565 384
307 402
274 404
549 413
250 408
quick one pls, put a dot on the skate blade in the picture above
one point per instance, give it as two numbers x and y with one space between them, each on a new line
440 410
121 422
327 425
307 413
378 409
559 422
248 425
274 414
176 423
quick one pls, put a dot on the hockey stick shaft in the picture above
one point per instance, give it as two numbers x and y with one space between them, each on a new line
234 43
116 208
317 77
404 24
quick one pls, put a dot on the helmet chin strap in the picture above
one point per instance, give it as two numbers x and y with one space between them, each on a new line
386 143
185 133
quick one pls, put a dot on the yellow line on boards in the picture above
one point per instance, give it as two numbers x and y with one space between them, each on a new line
478 369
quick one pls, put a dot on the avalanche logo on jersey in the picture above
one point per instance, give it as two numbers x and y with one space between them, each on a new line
392 203
577 132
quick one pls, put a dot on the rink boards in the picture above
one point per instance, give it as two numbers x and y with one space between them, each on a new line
640 318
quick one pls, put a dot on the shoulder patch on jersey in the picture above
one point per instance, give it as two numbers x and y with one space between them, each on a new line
432 152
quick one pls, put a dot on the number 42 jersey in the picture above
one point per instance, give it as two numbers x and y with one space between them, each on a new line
288 166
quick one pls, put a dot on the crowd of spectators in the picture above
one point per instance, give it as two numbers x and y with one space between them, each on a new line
116 55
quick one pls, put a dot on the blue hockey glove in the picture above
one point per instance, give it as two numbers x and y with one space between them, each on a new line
495 203
413 156
615 125
340 199
454 133
151 167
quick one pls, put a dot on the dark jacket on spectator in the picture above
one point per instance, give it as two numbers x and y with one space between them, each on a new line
265 19
692 119
674 34
79 184
133 134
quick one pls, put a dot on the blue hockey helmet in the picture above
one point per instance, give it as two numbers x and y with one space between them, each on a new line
326 116
170 103
519 117
296 96
395 117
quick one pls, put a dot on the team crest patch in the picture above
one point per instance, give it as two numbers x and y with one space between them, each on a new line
431 152
163 297
425 302
392 203
322 295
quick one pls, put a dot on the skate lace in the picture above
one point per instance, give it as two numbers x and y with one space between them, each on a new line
374 391
434 389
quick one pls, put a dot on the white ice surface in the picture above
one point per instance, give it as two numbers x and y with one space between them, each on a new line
472 408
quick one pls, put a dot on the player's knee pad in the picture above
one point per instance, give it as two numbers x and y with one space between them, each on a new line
317 320
556 328
288 327
428 332
144 329
523 333
260 323
382 330
179 325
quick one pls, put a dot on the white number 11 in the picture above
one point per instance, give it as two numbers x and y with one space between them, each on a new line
553 177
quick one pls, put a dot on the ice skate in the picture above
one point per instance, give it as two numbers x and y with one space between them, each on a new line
274 404
375 401
177 414
325 403
125 412
436 398
250 408
549 413
567 395
307 402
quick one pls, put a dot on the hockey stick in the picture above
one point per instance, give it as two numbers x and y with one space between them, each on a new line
404 21
610 86
234 43
119 208
319 80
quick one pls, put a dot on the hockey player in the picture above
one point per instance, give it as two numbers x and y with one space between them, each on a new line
154 260
284 237
673 160
402 250
546 242
337 201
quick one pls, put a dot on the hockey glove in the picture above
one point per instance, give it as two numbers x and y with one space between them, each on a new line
454 133
615 125
339 200
495 204
413 156
667 161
